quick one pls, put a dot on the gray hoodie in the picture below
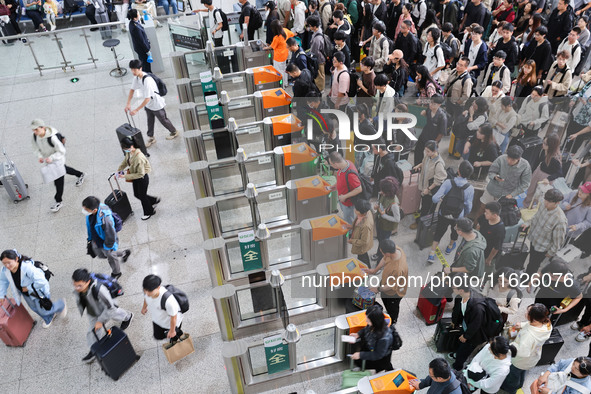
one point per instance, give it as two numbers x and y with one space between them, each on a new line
43 149
516 179
103 307
470 255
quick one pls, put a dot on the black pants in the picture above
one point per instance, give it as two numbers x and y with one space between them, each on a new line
392 305
585 320
146 67
462 354
14 23
514 381
161 333
364 258
59 183
535 260
250 33
419 151
442 224
427 203
162 117
140 191
89 12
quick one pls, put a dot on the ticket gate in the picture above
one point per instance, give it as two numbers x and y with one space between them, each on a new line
309 197
296 161
240 83
387 382
341 274
230 59
324 239
256 137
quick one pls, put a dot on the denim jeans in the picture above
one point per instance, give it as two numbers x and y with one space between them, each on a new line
348 212
47 316
169 3
505 143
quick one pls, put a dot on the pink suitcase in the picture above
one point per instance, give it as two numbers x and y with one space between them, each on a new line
15 323
409 194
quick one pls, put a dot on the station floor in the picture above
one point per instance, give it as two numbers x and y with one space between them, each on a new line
168 244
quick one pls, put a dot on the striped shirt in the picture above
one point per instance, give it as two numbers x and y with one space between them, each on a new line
548 230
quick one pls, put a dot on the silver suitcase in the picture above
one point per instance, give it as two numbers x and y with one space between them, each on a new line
13 181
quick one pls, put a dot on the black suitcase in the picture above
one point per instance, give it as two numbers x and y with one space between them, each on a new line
551 348
114 353
7 30
426 230
513 254
129 130
531 148
118 201
446 339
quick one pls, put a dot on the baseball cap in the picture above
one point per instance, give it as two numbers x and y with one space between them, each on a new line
586 187
37 123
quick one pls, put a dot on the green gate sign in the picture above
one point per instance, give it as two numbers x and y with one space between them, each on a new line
214 109
276 353
250 251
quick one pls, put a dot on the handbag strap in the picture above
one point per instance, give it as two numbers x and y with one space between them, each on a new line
577 386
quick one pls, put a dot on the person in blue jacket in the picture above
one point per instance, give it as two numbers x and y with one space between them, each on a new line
578 371
441 379
139 39
24 279
102 238
476 50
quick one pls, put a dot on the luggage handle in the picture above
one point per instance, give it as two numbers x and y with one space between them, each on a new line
525 233
132 122
352 363
6 310
111 184
108 331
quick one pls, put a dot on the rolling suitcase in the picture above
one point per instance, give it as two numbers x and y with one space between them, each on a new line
127 130
513 255
118 201
426 230
431 305
114 353
13 182
512 232
7 30
531 148
551 348
446 339
15 323
409 195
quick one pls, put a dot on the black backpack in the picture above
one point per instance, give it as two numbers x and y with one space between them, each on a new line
366 186
59 136
256 20
447 51
117 222
493 324
311 62
453 201
353 77
390 43
180 296
48 274
162 90
109 282
225 24
510 213
328 48
396 340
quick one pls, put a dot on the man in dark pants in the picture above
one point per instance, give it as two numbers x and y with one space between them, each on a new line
469 314
248 16
166 321
215 22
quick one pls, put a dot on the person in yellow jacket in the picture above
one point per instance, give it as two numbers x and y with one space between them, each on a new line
138 167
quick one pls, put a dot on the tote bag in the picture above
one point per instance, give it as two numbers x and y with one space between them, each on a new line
53 171
178 350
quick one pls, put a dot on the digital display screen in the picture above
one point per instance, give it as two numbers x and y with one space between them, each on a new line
278 93
332 221
398 380
256 46
302 148
351 266
316 182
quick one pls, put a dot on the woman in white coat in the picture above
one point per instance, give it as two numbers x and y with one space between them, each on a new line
24 279
489 368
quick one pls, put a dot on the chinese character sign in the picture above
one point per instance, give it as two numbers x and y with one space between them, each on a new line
250 251
276 353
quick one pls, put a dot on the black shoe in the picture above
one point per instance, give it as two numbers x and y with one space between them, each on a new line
116 276
126 255
89 357
157 201
375 257
94 28
126 323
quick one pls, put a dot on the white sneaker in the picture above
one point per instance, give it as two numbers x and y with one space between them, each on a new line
575 326
172 136
582 336
47 325
64 312
80 180
56 207
151 141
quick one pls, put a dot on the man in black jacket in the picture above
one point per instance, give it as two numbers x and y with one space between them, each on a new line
298 56
469 314
474 13
384 165
407 42
448 12
508 45
540 51
560 24
393 13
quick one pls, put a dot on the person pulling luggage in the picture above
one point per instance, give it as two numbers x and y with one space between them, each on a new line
100 308
29 282
102 240
138 168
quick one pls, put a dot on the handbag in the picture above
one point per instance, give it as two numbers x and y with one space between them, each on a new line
44 302
53 171
177 350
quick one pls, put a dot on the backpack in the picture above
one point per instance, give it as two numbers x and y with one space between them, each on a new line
59 136
48 274
117 221
109 282
453 202
359 11
225 24
328 48
353 77
180 296
447 51
396 340
390 43
366 186
454 53
510 213
459 382
162 89
311 63
493 324
256 20
473 91
332 5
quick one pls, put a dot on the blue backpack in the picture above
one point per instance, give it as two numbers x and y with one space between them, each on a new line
117 222
109 282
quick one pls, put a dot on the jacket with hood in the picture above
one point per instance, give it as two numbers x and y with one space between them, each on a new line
102 306
516 179
470 255
534 112
529 344
104 228
31 276
496 370
43 149
475 318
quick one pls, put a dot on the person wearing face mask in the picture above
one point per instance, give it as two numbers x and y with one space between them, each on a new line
138 168
489 368
102 240
25 280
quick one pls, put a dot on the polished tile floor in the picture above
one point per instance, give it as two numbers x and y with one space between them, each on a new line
87 113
